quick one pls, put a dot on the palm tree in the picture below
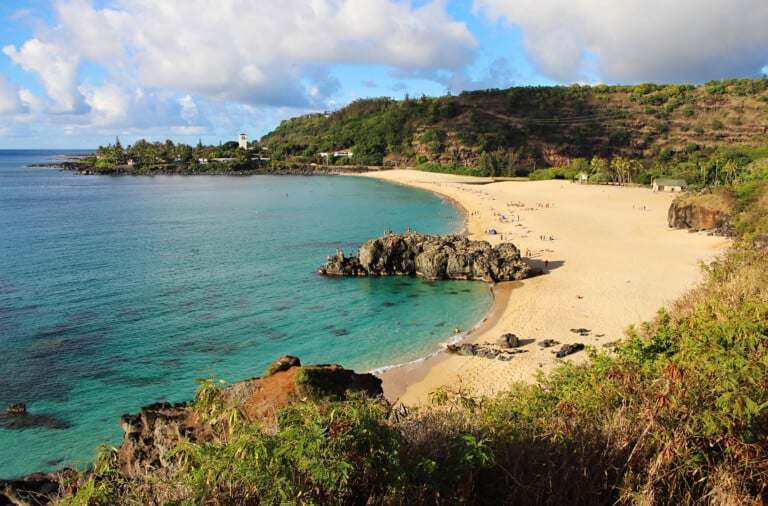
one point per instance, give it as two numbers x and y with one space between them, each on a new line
620 166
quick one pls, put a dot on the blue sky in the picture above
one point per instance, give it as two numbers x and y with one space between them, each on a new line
78 73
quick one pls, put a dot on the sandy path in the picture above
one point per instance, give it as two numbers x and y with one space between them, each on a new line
612 262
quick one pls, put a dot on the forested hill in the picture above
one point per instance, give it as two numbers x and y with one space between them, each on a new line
514 131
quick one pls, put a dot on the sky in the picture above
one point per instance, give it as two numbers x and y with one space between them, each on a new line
81 73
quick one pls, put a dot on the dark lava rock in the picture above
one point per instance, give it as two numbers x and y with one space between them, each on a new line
568 349
432 257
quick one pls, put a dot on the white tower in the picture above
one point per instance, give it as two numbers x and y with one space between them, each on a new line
242 141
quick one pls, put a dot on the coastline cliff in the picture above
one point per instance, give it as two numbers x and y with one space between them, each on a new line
152 437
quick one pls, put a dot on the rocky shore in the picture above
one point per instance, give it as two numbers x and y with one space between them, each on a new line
432 257
152 434
86 169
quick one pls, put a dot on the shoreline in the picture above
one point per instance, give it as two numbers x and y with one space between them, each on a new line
612 262
396 379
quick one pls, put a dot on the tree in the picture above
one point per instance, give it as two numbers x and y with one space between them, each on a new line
141 152
620 168
168 151
486 164
599 169
118 156
370 144
729 171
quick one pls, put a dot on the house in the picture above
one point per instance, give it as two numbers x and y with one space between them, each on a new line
582 177
669 185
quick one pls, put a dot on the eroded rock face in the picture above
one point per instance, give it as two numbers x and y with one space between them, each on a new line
152 434
157 429
432 257
701 212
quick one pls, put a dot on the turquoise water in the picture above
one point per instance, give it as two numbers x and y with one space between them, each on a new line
116 292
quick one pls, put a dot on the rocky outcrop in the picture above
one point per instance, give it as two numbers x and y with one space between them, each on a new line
158 428
507 346
432 257
16 416
152 434
701 212
36 489
497 351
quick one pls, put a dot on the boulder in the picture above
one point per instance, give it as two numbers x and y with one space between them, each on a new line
282 364
432 257
17 409
568 349
484 350
508 340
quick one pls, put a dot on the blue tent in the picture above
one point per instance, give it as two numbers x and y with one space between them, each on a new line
493 231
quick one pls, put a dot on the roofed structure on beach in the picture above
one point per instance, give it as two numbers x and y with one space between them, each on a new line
669 185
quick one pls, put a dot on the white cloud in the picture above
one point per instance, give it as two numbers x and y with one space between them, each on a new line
110 105
10 97
31 101
124 107
188 108
639 40
240 50
171 66
58 68
95 35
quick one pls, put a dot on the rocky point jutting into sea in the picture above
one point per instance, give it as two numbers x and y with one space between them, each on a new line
151 435
432 257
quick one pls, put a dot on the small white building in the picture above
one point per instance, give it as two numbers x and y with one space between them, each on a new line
669 185
242 141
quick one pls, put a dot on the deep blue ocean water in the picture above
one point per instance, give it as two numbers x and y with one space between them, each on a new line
116 292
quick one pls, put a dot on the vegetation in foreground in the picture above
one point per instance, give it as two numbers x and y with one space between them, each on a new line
677 413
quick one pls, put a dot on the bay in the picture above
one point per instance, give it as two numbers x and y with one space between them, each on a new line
116 292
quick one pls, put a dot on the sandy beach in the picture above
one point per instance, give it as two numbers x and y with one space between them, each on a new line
609 258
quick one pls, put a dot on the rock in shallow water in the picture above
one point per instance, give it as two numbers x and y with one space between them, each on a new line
432 257
16 416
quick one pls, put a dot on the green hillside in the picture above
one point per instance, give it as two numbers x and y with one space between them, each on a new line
663 129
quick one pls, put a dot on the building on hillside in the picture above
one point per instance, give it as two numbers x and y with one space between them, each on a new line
669 185
242 141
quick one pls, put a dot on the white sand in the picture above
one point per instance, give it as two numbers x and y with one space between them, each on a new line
612 262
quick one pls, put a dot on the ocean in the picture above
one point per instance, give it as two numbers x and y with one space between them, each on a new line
117 292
